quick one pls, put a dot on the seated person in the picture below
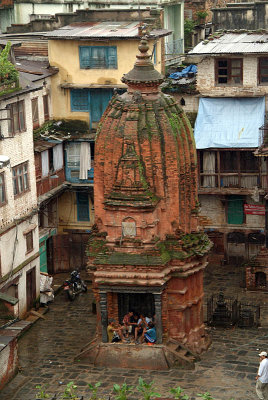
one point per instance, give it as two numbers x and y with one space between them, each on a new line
114 332
127 325
149 334
142 323
134 321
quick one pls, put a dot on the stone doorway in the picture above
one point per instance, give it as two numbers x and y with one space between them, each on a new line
140 303
260 279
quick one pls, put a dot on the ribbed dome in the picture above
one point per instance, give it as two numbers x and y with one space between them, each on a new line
145 157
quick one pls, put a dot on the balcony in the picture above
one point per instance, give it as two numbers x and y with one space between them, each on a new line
173 51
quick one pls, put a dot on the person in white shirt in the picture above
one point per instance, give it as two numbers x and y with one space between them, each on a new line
262 377
142 323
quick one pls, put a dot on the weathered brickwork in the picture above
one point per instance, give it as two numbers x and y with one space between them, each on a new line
18 215
146 238
207 86
8 362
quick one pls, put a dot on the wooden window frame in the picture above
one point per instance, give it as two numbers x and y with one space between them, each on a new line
13 115
29 241
15 179
46 107
2 203
34 103
259 72
229 73
219 173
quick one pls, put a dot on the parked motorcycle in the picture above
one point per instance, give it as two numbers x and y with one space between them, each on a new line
74 285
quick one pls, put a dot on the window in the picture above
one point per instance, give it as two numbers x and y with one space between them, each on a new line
79 100
2 190
231 169
263 71
82 206
52 160
73 155
29 241
98 57
46 109
20 179
17 117
35 115
229 71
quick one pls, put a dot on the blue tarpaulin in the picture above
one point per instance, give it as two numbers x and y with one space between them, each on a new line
184 73
229 122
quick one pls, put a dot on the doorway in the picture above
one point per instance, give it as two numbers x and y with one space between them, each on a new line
30 288
140 303
260 279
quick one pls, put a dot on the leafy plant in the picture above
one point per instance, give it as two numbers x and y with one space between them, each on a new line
122 391
202 14
189 25
41 394
8 72
205 396
94 390
70 391
147 389
178 393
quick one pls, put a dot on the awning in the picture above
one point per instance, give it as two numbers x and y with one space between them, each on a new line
229 122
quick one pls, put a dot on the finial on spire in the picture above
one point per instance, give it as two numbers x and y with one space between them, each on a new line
143 70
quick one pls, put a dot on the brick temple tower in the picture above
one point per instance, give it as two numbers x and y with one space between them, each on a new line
146 252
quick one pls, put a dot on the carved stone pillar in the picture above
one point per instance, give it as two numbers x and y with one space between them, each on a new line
104 316
158 316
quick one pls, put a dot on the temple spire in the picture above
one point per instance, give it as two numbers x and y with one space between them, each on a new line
143 71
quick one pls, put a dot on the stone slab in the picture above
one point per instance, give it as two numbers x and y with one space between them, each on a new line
115 355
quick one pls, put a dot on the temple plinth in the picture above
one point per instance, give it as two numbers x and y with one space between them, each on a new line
147 252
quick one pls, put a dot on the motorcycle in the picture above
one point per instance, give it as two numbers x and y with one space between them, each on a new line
74 285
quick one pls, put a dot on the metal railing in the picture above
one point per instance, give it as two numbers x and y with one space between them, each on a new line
174 48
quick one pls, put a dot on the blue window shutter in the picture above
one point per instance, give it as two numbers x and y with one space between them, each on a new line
79 100
112 57
82 206
98 57
85 56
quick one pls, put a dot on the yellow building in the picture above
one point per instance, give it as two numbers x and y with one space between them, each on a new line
92 58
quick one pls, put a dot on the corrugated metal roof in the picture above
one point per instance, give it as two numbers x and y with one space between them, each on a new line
233 43
102 30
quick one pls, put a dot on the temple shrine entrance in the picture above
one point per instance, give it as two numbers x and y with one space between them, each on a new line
139 303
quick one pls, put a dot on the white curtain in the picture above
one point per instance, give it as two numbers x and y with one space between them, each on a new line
45 165
209 168
85 160
58 157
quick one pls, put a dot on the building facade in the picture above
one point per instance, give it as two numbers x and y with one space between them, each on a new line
19 245
90 68
233 91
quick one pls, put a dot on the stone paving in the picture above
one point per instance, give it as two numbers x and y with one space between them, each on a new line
227 370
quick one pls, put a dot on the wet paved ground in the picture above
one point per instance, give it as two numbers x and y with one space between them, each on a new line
227 370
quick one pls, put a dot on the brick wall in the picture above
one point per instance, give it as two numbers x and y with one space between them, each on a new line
8 362
206 80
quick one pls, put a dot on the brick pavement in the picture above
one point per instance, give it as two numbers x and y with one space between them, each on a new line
46 352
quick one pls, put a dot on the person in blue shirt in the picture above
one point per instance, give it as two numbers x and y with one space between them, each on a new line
149 334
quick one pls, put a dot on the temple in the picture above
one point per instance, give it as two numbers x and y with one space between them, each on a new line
146 252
